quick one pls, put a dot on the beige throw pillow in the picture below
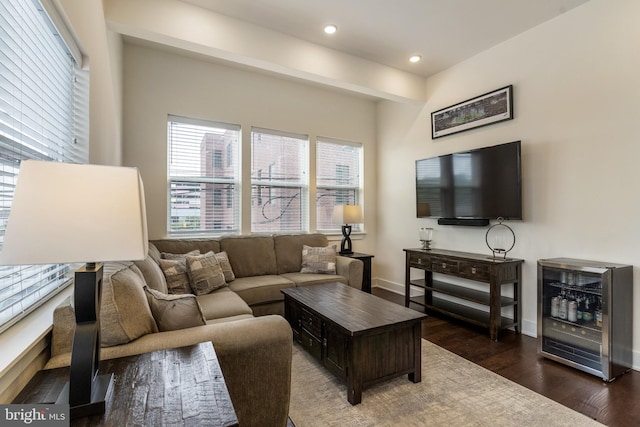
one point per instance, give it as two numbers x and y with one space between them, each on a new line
175 271
319 260
174 267
223 260
205 273
172 312
124 312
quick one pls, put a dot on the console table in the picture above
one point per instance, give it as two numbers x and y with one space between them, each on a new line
178 386
484 269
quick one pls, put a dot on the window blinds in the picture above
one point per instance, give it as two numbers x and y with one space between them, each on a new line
204 176
279 181
338 165
44 116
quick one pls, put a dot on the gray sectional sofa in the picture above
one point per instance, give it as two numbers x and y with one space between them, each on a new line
242 317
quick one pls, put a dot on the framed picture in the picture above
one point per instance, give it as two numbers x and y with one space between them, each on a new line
483 110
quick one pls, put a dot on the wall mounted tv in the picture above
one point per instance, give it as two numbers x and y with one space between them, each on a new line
471 187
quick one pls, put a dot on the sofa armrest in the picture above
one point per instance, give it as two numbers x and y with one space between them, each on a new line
255 357
352 269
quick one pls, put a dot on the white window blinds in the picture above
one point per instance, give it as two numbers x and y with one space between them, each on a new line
44 116
204 176
279 181
338 166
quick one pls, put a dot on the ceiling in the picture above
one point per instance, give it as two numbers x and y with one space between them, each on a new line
443 32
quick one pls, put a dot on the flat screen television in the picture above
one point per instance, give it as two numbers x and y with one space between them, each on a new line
471 187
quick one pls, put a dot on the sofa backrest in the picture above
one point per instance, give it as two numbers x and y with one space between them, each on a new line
254 255
182 246
250 255
288 249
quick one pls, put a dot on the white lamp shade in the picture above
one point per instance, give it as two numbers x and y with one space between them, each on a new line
347 214
65 213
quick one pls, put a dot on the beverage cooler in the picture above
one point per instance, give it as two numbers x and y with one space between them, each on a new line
585 315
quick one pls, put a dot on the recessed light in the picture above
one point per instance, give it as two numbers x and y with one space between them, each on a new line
330 29
415 58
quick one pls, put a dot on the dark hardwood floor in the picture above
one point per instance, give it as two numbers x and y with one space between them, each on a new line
515 357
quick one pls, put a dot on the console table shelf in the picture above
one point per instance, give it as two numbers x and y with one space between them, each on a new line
478 268
469 294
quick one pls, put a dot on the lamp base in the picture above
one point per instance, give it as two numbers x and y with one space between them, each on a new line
100 391
345 245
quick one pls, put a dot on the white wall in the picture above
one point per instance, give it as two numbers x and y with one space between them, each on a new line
103 54
158 83
576 95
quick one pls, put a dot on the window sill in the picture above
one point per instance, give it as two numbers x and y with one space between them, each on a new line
19 338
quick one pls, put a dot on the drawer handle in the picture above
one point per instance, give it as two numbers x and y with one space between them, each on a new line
324 342
300 322
444 265
310 342
473 270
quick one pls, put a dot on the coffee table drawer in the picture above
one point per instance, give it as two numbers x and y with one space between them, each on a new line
311 323
310 343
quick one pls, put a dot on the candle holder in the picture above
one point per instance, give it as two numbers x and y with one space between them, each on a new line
502 237
426 235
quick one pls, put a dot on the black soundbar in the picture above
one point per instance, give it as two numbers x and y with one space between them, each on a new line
472 222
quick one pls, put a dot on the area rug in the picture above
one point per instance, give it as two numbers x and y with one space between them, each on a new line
453 392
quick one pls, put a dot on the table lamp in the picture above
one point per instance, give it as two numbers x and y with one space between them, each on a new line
345 215
70 213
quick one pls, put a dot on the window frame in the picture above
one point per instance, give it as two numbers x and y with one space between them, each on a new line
266 181
214 178
357 189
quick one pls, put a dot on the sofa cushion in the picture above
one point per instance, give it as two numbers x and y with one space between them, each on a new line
260 289
250 255
181 246
205 273
173 312
306 279
124 313
319 260
223 303
153 275
154 253
227 270
288 248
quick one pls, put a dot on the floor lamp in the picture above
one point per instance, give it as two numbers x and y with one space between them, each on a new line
346 215
69 213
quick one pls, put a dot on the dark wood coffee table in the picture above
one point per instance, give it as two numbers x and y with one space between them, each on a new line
360 338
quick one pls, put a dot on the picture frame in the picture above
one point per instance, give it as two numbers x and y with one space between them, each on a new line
486 109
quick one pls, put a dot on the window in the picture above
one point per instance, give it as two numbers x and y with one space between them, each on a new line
198 178
279 196
43 116
338 165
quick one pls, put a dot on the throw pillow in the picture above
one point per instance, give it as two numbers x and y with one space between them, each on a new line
166 255
174 267
175 271
124 312
153 275
205 273
223 260
172 312
319 260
